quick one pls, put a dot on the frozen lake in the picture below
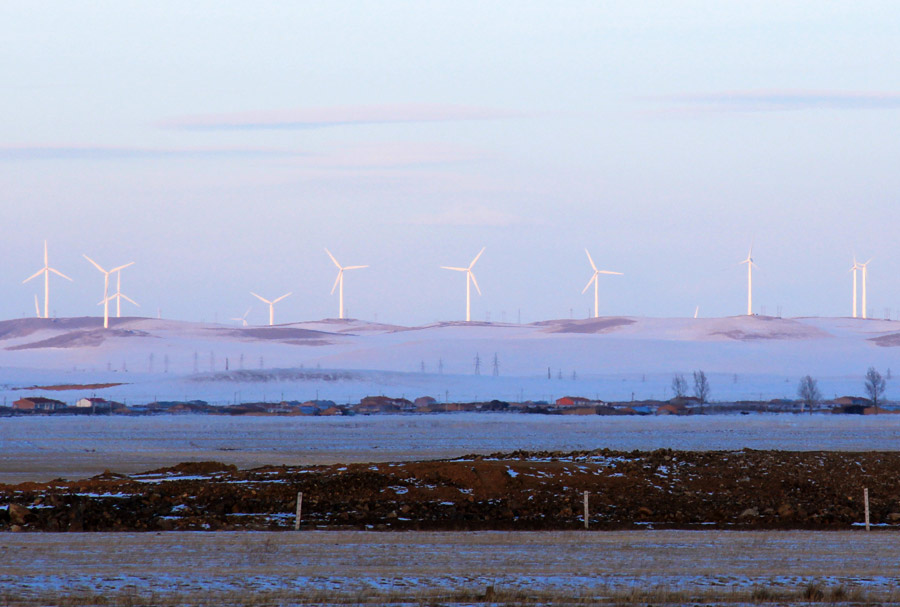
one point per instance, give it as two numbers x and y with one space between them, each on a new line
43 448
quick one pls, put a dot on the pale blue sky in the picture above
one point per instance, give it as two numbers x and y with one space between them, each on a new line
222 145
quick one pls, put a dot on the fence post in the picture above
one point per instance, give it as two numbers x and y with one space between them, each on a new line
587 517
866 503
299 511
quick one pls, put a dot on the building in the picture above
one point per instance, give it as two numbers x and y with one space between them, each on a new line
38 403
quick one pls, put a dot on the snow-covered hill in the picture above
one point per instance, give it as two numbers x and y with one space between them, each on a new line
611 358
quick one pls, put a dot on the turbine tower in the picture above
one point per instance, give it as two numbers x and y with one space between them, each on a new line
119 296
854 269
865 271
46 272
750 266
595 281
106 297
339 281
243 319
470 280
271 305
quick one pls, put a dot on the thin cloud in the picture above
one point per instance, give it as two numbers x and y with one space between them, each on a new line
400 155
326 117
86 152
780 101
470 216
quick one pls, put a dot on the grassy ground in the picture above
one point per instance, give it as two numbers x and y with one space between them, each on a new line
495 568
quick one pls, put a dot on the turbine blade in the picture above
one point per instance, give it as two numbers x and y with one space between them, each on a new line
333 259
588 285
37 307
58 273
608 272
120 268
96 265
262 299
355 267
128 299
591 260
444 267
475 282
245 314
282 297
472 265
337 281
35 275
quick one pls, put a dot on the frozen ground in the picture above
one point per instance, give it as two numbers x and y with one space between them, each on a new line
707 565
610 358
43 448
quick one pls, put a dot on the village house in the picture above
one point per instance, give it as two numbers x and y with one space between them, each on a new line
38 403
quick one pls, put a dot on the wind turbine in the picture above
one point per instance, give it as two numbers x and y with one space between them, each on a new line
750 266
119 296
595 281
865 271
854 269
106 296
243 319
470 279
271 305
46 272
340 281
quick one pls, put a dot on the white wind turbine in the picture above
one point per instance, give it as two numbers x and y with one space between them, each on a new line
106 297
865 271
750 266
339 281
854 268
595 281
46 272
470 280
119 296
271 305
243 319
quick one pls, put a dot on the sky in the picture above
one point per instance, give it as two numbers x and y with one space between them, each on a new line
222 146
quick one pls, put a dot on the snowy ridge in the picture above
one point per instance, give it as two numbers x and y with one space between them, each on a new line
609 358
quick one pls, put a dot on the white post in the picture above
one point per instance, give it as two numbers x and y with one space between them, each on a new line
299 511
866 503
586 511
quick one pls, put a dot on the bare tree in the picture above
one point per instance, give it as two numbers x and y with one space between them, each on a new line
875 385
809 393
701 386
679 386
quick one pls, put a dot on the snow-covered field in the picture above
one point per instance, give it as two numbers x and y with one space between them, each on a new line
44 448
614 358
713 565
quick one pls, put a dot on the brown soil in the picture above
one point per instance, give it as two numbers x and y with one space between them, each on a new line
515 491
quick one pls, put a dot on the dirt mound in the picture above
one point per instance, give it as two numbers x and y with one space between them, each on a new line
512 491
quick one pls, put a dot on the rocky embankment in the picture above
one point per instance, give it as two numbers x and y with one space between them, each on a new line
511 491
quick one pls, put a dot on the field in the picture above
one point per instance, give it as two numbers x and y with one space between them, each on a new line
45 448
496 568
